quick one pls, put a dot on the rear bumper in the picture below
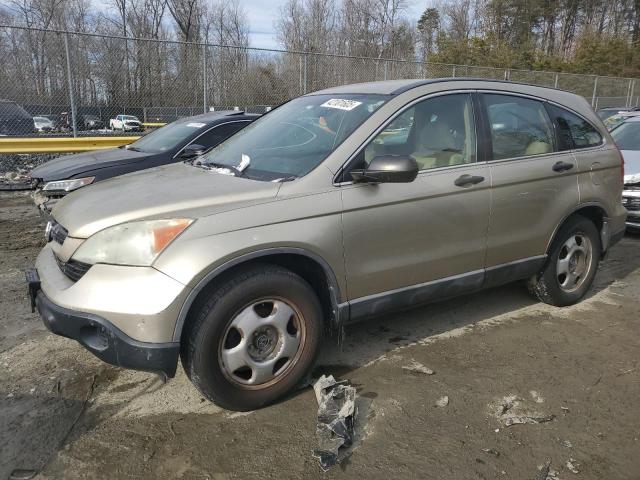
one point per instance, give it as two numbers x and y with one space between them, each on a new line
107 342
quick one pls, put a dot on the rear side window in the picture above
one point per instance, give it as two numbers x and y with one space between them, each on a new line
519 126
573 131
218 134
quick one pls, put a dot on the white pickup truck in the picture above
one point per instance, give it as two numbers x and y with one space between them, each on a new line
126 123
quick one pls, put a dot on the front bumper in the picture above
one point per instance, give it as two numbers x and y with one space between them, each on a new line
141 302
45 203
103 339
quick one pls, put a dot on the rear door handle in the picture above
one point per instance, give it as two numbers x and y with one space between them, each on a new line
562 166
466 179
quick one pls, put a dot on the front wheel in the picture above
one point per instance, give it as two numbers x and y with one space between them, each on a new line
255 338
571 265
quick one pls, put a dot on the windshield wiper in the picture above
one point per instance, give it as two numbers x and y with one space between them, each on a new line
133 149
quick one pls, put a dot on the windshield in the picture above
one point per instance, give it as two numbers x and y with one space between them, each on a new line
129 117
627 136
168 137
293 139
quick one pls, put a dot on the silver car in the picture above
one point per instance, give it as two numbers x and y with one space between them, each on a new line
337 206
627 137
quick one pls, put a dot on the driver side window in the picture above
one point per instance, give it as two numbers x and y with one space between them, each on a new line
437 132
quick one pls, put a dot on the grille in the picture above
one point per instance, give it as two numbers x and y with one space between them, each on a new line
631 203
58 232
73 269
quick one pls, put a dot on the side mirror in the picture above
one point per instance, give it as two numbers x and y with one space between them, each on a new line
193 150
388 169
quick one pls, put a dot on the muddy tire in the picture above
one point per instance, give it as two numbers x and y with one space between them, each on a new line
254 339
571 265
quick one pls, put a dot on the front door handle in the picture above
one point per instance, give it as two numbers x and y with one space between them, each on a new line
562 166
466 180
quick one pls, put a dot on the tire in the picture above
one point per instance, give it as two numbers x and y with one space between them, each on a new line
233 327
580 262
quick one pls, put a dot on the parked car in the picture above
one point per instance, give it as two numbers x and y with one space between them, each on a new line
615 120
126 123
181 140
607 112
43 124
627 137
308 219
14 120
56 121
91 122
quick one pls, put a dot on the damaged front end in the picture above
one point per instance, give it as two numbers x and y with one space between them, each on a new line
631 201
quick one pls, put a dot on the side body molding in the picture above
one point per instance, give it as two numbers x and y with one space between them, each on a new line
338 310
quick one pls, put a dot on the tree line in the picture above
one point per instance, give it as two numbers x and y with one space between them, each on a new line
581 36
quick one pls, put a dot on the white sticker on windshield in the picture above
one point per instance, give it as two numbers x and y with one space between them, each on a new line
341 104
195 125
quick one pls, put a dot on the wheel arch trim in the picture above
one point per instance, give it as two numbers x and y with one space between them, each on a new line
604 231
332 281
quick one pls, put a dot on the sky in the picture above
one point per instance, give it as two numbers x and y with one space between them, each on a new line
262 15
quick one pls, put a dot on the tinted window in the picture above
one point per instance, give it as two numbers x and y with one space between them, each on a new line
218 134
573 131
437 132
519 126
627 136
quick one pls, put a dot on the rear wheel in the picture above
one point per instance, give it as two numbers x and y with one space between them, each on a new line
254 339
571 265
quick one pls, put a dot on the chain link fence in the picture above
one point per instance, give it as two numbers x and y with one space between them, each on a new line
70 83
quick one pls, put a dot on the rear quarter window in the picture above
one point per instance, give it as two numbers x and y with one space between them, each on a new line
573 131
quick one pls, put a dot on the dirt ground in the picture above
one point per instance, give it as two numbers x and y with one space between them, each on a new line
497 355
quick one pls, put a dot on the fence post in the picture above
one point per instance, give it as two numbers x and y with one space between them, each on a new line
72 99
555 83
453 72
595 90
627 103
304 75
386 68
633 87
204 78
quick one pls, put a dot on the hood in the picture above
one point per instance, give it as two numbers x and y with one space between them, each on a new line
73 165
171 191
631 166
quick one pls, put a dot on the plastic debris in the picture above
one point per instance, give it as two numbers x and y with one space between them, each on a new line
336 411
491 451
442 401
536 396
417 368
546 473
522 419
572 465
543 471
512 410
566 443
22 474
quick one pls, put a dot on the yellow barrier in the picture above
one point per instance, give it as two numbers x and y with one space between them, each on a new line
152 124
61 144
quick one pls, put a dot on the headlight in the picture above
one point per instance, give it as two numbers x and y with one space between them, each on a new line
135 243
68 185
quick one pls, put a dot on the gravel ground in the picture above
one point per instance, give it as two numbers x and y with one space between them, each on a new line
497 355
15 169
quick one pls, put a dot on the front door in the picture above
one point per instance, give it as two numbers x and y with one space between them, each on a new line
406 243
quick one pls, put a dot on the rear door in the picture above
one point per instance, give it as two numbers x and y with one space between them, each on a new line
406 243
534 184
